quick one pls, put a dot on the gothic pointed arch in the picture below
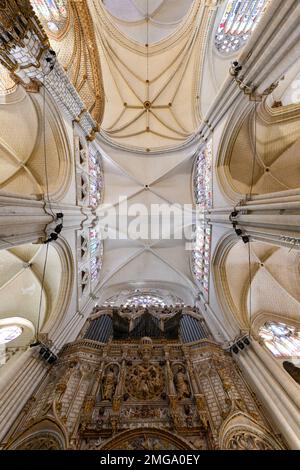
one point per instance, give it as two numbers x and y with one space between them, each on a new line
34 300
268 139
43 434
241 432
256 278
147 439
35 152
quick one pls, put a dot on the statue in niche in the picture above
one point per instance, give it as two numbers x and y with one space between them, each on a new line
181 384
109 384
292 370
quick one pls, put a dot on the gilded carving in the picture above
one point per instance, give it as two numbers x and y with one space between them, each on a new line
144 382
181 384
43 441
109 383
244 440
181 396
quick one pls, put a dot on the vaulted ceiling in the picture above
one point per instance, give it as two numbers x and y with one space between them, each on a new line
151 54
148 260
274 287
28 294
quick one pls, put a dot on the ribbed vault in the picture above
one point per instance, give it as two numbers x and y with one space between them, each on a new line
151 56
155 258
262 153
24 294
151 89
31 165
267 286
164 17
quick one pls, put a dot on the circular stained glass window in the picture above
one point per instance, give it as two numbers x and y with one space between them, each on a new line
9 333
53 14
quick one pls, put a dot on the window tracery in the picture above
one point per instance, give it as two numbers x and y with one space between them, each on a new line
201 255
96 254
53 14
202 178
95 177
239 20
144 300
90 258
143 297
282 340
90 178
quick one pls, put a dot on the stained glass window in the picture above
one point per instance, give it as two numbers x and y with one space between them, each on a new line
95 177
202 181
283 341
202 177
143 297
52 13
144 300
9 333
238 22
201 255
96 254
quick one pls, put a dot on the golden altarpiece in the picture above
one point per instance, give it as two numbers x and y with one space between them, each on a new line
143 379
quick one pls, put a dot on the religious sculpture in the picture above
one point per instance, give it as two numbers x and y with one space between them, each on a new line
243 440
109 384
147 393
181 384
144 381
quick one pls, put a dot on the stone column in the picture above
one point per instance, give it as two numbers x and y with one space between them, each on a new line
268 386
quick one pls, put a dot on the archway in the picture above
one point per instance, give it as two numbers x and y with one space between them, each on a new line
146 439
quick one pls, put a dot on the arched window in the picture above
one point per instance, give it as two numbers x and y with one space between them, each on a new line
238 22
283 341
53 14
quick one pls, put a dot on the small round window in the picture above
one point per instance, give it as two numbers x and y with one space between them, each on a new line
9 333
